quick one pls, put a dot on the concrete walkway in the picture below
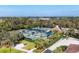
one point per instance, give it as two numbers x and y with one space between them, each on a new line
20 47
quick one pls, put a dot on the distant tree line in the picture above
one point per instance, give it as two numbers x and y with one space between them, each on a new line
15 23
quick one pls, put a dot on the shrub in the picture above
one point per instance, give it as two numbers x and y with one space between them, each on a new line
60 49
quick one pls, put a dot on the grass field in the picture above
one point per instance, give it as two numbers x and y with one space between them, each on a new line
9 50
28 45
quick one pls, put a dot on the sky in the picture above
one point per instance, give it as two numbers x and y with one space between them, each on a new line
39 10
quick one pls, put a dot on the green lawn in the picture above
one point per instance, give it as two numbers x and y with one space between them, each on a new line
28 45
8 50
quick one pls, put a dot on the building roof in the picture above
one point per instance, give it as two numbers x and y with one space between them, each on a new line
42 29
72 48
36 33
57 28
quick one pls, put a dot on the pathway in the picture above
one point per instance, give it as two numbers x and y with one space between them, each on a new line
20 47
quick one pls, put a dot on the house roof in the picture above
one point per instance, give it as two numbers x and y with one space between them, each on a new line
57 28
72 48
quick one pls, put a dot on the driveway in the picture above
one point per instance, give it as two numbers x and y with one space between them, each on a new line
65 41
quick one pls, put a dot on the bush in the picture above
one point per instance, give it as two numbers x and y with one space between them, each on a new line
60 49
